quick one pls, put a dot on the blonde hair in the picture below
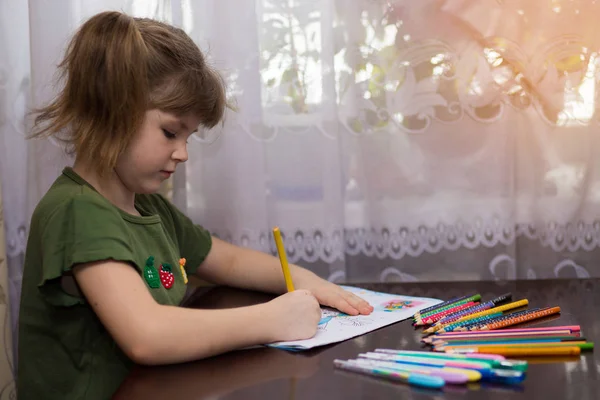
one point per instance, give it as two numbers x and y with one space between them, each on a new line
115 69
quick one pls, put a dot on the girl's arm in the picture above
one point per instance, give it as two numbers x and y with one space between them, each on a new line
150 333
241 267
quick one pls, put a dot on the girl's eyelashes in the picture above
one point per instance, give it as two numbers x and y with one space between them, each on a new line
169 135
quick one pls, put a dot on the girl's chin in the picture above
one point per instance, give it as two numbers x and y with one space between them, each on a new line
148 188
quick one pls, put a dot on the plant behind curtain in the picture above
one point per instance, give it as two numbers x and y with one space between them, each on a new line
390 140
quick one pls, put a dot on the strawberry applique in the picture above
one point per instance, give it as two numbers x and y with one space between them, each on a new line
166 276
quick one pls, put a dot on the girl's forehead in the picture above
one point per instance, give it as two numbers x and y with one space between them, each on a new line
186 122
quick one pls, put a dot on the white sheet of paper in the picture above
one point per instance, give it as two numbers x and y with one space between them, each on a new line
336 327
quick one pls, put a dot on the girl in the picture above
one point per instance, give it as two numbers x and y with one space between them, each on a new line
107 258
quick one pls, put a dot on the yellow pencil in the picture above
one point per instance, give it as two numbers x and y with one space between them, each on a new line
282 257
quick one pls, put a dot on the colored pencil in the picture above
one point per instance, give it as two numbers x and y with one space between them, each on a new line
481 307
455 326
584 346
504 331
570 328
539 322
522 352
469 310
469 335
436 317
475 324
553 359
506 307
521 318
504 315
482 319
513 339
283 260
500 334
440 305
430 382
473 298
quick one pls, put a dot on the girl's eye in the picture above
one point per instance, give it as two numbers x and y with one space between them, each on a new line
169 135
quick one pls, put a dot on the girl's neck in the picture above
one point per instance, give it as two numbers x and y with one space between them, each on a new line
110 186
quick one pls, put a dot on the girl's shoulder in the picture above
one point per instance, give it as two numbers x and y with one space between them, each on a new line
67 194
157 204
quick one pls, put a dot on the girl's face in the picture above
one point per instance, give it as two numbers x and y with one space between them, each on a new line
156 150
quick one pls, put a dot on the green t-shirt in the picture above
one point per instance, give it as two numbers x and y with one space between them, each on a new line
64 350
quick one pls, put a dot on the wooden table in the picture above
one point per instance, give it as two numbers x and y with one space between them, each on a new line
275 374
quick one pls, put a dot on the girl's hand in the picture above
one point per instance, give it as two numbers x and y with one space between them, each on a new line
332 295
295 315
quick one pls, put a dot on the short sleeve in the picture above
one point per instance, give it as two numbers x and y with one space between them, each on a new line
82 230
194 241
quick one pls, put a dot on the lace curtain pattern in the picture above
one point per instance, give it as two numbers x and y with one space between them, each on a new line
406 140
390 140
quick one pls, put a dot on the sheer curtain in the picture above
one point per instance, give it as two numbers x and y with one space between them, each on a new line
390 140
403 140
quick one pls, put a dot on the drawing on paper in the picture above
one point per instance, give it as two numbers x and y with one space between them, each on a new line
398 305
344 319
336 326
354 321
326 316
